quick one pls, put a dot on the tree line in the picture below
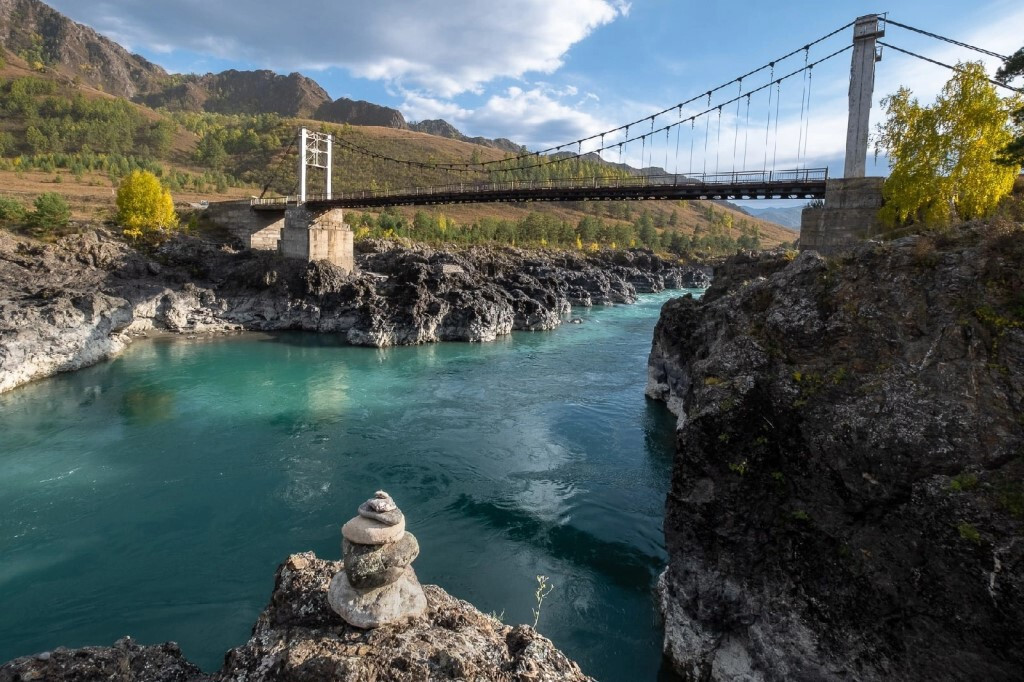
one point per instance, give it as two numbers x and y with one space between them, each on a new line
546 230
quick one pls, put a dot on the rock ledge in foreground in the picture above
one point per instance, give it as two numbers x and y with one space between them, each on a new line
299 638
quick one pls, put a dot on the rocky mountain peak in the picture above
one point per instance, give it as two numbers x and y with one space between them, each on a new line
360 113
43 35
242 92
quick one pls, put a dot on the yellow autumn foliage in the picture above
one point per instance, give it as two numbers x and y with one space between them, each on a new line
145 207
944 156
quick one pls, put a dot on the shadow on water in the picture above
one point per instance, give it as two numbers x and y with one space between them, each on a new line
660 439
305 339
666 673
623 565
659 426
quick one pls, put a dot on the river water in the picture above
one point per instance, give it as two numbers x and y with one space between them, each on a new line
154 495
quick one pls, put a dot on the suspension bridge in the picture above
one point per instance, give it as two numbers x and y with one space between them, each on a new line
723 143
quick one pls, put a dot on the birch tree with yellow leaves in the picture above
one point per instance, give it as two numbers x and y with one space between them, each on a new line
944 157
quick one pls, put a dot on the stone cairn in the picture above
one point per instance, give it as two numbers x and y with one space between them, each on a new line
377 585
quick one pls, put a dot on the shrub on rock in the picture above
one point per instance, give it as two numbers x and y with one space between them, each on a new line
51 214
11 209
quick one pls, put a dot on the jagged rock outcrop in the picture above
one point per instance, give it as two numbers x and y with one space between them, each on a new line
76 49
73 303
241 92
298 638
58 318
359 113
442 128
83 54
847 494
438 127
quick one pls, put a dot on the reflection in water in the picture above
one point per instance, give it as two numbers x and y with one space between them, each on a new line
147 405
617 562
154 495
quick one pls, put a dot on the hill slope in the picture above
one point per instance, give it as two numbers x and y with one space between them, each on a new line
75 119
788 216
45 37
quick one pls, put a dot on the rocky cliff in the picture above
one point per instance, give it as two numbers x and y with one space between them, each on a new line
442 128
241 92
38 32
360 113
848 492
71 304
298 638
34 29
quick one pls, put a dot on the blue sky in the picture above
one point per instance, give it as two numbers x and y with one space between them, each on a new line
543 72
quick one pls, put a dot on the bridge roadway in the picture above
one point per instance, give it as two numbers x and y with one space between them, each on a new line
806 183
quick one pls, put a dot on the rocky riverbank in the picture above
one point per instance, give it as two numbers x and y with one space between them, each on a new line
71 304
299 638
847 499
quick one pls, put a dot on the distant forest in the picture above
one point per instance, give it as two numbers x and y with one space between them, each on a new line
592 232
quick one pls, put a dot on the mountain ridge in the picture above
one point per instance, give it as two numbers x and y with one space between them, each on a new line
787 216
46 38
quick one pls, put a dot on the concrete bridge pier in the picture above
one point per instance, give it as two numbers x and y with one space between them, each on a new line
849 216
317 235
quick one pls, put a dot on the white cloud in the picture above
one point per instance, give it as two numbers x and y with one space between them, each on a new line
420 107
442 47
536 115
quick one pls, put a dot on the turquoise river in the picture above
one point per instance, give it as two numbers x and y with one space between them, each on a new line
155 495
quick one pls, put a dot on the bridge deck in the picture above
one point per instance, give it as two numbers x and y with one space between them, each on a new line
794 184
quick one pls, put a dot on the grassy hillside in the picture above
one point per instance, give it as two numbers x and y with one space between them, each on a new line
57 134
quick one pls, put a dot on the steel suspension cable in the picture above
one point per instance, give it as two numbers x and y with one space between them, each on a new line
666 150
692 120
768 85
948 66
689 171
803 96
810 86
678 128
982 50
651 158
778 99
707 129
746 132
710 110
736 129
768 123
626 127
718 141
280 163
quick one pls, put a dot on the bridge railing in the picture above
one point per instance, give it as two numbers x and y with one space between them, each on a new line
752 179
273 201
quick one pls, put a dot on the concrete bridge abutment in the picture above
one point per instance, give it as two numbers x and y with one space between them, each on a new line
317 235
255 229
849 216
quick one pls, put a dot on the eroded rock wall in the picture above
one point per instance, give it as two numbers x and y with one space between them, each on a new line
848 491
67 305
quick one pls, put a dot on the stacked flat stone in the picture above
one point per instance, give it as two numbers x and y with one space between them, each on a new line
377 585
